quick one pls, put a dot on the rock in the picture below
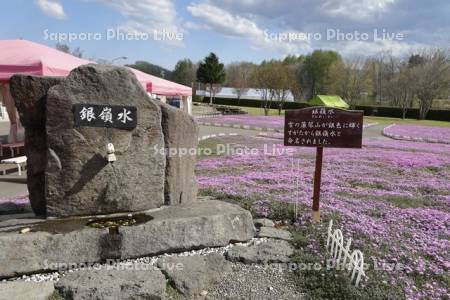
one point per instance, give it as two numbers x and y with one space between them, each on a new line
20 290
272 251
52 244
30 95
190 275
270 232
79 180
140 282
180 134
263 222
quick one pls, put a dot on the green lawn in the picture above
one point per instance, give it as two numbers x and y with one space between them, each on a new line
256 111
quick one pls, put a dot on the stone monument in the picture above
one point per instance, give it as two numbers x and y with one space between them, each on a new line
69 124
100 170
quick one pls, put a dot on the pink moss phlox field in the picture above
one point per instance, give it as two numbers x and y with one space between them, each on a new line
391 195
436 134
16 200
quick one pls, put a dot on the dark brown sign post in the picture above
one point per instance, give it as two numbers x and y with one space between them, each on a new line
322 127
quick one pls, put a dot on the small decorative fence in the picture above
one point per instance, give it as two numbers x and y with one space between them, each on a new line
352 262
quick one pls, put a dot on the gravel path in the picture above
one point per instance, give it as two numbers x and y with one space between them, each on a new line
252 282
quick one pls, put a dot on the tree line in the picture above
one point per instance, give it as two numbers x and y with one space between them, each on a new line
384 79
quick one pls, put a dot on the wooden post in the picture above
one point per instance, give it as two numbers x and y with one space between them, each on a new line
317 182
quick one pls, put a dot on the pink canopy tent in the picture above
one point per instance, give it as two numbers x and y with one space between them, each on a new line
159 86
25 57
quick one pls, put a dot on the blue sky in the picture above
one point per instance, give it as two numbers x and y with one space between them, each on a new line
236 30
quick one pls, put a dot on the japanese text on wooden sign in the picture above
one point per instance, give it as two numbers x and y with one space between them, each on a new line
111 116
323 127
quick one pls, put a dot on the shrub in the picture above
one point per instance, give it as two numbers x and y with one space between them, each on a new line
255 103
395 112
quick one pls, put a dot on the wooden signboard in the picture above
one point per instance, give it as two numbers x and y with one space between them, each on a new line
322 127
110 116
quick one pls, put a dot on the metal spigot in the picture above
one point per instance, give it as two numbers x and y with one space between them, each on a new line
111 156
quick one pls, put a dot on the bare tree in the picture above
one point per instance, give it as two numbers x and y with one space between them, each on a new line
431 78
282 81
273 80
349 79
77 52
214 89
238 78
295 86
400 89
262 80
66 49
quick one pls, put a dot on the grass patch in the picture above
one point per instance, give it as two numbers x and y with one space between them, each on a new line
257 111
171 292
55 296
397 201
368 185
407 202
208 146
388 121
320 282
246 203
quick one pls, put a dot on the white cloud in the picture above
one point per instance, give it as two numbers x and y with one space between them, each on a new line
233 25
359 10
397 48
147 16
52 8
195 26
356 10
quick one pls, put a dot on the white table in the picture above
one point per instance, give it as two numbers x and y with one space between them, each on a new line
18 162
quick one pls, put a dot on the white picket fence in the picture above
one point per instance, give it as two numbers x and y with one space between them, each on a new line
352 262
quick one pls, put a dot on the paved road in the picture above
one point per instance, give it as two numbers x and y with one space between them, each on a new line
208 130
375 132
13 185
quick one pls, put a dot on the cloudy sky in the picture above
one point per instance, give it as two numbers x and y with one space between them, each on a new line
164 31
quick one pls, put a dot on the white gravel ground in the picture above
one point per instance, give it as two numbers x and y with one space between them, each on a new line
151 260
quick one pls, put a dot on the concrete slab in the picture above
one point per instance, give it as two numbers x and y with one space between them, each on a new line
56 244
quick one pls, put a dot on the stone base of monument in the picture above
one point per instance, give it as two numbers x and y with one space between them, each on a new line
34 245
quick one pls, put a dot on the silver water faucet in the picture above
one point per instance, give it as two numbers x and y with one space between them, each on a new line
111 156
